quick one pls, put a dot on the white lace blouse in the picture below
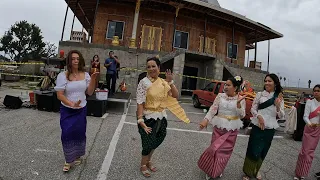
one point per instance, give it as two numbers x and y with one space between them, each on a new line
269 114
142 89
311 105
223 107
73 90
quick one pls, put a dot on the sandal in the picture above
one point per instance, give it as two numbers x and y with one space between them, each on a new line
151 167
66 167
259 176
77 162
145 173
245 178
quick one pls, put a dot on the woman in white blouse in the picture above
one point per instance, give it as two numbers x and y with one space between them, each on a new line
266 106
72 87
225 116
311 135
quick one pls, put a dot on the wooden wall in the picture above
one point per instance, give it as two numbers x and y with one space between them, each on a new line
195 27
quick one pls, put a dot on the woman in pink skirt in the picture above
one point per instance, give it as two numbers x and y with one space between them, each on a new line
311 135
225 115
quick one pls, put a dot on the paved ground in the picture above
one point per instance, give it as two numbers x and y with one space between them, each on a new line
30 148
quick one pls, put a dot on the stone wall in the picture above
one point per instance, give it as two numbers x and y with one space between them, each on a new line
130 58
255 76
178 66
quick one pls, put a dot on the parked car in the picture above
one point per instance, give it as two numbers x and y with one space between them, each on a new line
206 96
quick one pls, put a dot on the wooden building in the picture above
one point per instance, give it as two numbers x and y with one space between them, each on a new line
196 26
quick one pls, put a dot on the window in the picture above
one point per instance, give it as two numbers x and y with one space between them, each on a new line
210 87
181 39
217 89
235 50
115 28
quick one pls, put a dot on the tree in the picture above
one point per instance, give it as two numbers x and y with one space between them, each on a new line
309 83
23 41
3 58
49 51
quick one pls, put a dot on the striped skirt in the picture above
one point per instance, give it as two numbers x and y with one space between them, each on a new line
310 141
215 158
73 123
258 147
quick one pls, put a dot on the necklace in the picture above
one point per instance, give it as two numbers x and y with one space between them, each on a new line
152 79
75 75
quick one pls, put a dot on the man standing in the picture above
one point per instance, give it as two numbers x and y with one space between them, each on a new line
111 65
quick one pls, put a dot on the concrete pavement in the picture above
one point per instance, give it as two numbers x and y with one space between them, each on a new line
30 149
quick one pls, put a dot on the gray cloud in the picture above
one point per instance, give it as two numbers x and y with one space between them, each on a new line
293 56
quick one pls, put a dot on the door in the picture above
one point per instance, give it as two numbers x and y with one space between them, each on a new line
151 38
210 45
208 95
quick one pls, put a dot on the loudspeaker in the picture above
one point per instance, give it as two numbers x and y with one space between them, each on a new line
96 107
12 102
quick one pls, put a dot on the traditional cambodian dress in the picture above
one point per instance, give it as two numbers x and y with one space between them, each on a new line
73 121
225 118
310 138
260 140
154 96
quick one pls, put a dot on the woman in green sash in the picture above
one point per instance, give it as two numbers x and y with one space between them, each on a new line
266 107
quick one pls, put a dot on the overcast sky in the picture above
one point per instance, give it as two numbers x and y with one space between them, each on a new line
293 56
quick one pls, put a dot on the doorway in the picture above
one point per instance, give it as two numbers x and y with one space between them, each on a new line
189 84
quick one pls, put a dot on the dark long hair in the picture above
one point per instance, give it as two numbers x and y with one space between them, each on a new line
316 86
236 83
278 88
69 62
94 57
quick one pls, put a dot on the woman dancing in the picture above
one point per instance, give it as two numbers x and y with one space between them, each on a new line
72 87
311 135
266 106
230 107
154 96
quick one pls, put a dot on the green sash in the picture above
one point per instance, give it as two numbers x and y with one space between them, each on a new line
269 102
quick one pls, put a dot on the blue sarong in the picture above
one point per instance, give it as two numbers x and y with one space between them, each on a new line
73 123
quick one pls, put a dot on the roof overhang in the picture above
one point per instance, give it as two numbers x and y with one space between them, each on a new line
253 31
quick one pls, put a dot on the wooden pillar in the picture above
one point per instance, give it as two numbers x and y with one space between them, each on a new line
94 20
65 19
255 50
135 25
232 48
174 25
205 34
268 55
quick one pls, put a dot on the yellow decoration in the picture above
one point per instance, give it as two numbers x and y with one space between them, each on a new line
115 41
132 43
173 106
158 100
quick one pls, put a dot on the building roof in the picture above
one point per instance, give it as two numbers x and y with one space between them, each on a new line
211 9
214 2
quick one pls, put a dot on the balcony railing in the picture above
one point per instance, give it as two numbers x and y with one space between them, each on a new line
78 36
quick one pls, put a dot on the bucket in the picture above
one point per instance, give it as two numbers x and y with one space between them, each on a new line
102 94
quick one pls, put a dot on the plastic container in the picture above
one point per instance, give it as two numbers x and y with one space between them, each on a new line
102 94
32 99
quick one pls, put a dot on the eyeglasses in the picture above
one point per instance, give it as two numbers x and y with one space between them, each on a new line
316 91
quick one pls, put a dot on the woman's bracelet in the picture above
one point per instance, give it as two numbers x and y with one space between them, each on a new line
140 120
